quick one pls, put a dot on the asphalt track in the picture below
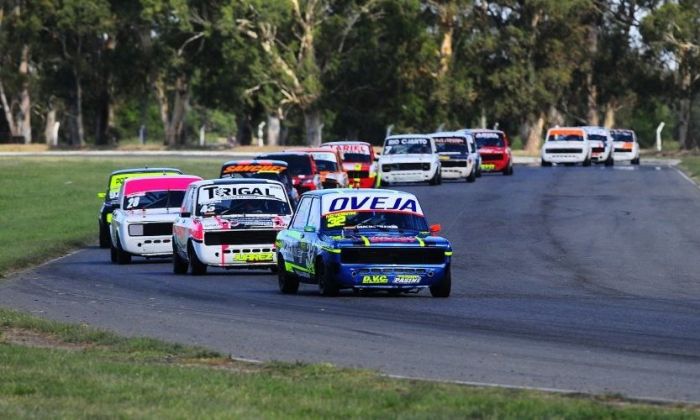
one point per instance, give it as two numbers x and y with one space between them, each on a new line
583 279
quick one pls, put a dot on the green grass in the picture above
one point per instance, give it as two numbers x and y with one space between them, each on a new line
106 375
48 206
691 166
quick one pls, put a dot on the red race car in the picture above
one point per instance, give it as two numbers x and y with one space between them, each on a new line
494 149
359 162
302 167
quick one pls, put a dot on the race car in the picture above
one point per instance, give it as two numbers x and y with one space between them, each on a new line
229 223
601 143
362 239
409 158
457 153
275 170
626 145
359 162
330 166
110 202
302 168
142 225
494 149
567 145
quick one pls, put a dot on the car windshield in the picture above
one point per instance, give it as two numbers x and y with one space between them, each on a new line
565 137
297 164
353 157
273 176
406 146
451 145
489 140
325 161
153 200
377 220
623 136
597 137
244 206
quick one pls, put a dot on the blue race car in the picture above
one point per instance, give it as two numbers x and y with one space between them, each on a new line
362 239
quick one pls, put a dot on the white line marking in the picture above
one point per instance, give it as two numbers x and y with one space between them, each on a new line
687 178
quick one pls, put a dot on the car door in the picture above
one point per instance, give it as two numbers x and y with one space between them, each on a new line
181 226
296 231
309 236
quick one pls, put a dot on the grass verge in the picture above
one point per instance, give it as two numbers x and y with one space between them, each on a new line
691 166
56 370
49 206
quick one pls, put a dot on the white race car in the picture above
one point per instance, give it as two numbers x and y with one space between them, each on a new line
601 143
230 223
567 145
626 146
409 158
143 223
458 155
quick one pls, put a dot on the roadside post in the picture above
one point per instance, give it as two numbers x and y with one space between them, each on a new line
659 129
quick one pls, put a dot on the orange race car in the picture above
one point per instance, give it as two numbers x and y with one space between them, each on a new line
329 165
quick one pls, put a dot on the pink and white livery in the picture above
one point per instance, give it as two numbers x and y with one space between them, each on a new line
143 223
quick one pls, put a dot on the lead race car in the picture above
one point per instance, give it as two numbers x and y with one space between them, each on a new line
363 239
143 223
410 158
229 223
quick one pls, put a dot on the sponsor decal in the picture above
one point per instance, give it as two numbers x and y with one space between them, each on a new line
253 168
407 279
359 202
338 219
394 142
487 135
253 257
450 140
215 193
375 279
389 239
354 148
488 166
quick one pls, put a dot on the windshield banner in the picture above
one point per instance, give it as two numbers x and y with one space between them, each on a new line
402 203
394 142
215 193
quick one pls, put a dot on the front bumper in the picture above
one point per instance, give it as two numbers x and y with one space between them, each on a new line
564 157
237 256
407 176
148 246
387 276
623 156
494 165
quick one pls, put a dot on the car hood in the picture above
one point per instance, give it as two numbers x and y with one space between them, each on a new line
238 222
422 158
453 155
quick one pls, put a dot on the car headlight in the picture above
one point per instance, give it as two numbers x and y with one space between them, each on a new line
386 168
426 166
135 230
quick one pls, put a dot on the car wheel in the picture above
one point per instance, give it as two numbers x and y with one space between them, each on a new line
105 240
180 264
635 161
478 170
288 282
609 161
434 179
508 171
545 164
123 257
587 161
472 175
112 252
327 285
443 289
197 268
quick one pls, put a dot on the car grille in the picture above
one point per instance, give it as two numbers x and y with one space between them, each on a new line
487 157
358 174
576 151
454 163
408 166
157 229
623 150
392 255
240 237
598 149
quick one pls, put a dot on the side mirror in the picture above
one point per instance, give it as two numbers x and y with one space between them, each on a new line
185 214
309 229
435 228
101 195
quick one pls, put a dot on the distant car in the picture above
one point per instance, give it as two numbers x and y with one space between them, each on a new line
142 225
359 162
330 166
302 168
494 149
601 143
229 223
568 145
363 239
626 145
409 158
275 170
458 156
110 202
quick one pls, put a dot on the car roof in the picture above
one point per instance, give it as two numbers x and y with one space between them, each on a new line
144 170
409 136
265 155
229 181
312 149
449 134
330 143
368 191
171 182
482 130
256 162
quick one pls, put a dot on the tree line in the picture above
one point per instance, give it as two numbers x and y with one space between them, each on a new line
303 71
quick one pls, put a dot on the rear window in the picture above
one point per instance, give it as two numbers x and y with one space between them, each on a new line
153 200
564 137
451 144
297 164
623 136
489 140
325 161
597 137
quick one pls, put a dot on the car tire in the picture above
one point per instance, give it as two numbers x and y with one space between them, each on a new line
635 161
472 176
443 289
508 171
587 161
105 240
478 170
545 164
197 268
112 253
435 179
327 285
609 161
288 282
123 257
180 265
